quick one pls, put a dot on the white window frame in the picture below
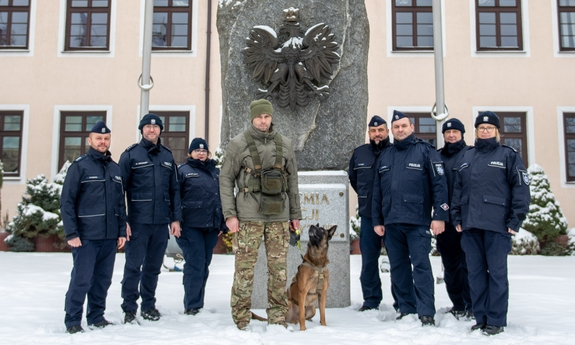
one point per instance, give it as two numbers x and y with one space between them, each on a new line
62 52
525 53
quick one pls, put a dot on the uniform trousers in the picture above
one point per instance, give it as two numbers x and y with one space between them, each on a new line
455 268
91 275
246 243
486 254
144 257
409 245
197 246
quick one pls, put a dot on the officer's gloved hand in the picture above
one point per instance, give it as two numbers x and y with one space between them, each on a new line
294 238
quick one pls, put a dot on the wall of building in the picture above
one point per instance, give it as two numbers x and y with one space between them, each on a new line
45 80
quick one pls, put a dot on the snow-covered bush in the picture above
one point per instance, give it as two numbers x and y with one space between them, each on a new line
545 215
545 218
37 214
571 236
219 157
524 243
354 225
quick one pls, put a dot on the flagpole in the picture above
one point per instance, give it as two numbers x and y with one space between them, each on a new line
439 112
145 82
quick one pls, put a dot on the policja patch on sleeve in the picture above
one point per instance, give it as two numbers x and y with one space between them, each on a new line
439 168
524 175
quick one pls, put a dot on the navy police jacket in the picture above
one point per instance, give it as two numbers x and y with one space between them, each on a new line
151 184
200 193
451 155
92 201
361 172
409 181
491 190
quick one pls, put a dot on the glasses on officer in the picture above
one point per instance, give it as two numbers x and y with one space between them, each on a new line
201 151
487 129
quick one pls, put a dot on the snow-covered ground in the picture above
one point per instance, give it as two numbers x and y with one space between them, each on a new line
32 288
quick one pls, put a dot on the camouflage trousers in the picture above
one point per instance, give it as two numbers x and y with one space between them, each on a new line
246 243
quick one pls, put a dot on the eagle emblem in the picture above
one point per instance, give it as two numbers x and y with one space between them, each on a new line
293 66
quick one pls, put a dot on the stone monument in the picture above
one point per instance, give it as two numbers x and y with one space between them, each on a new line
325 124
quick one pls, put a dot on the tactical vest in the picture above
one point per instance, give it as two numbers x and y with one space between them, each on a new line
271 182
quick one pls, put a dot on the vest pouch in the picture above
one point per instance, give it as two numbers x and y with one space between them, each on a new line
272 205
271 181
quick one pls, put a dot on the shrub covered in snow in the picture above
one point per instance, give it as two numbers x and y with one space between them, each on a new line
524 243
37 214
545 218
354 225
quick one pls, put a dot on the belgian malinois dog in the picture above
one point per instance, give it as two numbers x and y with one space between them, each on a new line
311 280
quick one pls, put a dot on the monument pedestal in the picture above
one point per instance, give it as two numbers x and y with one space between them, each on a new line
324 200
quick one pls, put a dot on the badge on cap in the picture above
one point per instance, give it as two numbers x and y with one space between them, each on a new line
375 124
449 124
103 129
485 118
201 146
153 121
397 117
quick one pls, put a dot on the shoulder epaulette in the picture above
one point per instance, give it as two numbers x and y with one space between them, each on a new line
131 146
514 150
167 148
80 158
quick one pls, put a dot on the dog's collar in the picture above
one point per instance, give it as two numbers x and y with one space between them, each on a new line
319 269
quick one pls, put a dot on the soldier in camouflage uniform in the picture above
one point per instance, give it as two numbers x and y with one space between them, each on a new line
261 163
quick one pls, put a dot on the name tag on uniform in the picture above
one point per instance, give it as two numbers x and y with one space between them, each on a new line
497 164
415 166
141 163
188 175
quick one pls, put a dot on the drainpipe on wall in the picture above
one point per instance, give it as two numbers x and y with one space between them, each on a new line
207 83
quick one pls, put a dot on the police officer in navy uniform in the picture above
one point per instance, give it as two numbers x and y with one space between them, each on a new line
203 221
361 172
449 243
153 197
94 215
490 201
409 181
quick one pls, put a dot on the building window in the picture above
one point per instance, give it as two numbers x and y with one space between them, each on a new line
424 127
88 25
14 24
566 13
569 127
172 28
498 25
412 25
75 127
11 141
176 133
